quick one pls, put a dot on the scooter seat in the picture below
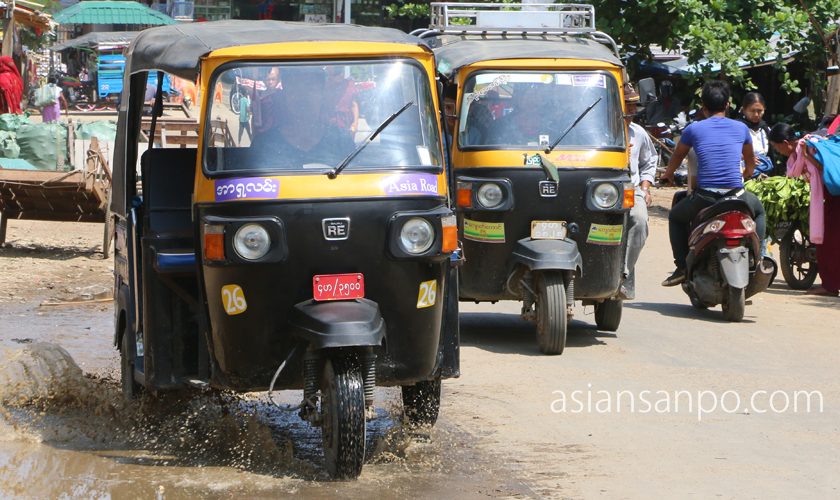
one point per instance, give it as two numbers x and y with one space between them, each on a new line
723 205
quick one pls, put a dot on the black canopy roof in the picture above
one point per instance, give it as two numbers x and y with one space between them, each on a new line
177 48
453 53
97 38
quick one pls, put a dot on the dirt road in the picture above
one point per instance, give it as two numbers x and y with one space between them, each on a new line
516 424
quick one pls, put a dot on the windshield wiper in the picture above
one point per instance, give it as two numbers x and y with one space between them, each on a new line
332 174
570 127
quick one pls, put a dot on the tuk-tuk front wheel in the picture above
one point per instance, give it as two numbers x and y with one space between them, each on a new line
552 320
343 418
421 403
128 348
608 315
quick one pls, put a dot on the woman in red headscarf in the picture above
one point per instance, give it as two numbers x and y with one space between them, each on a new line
11 86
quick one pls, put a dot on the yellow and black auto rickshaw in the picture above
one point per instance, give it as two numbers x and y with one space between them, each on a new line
306 242
539 155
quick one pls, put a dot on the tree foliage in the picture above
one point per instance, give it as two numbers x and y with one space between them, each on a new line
725 31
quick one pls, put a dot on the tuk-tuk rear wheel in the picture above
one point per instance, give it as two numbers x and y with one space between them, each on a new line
343 418
552 320
421 403
130 388
608 315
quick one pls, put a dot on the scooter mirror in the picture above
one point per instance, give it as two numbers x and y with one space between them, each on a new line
647 91
832 71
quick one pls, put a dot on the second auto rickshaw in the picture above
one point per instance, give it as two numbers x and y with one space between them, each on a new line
540 159
308 249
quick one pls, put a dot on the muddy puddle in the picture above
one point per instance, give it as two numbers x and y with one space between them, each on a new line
66 431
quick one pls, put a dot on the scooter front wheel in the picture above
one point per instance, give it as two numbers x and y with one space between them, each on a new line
552 320
343 418
733 308
608 315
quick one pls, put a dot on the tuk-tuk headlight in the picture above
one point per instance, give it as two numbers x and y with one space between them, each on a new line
490 195
605 195
417 235
252 242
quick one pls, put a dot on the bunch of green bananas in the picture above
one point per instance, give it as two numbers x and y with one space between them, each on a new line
785 199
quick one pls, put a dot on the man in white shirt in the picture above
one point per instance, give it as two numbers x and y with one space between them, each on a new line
643 161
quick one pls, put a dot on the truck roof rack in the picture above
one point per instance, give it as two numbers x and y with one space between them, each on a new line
489 20
522 18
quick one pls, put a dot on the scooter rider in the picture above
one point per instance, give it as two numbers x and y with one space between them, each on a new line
720 143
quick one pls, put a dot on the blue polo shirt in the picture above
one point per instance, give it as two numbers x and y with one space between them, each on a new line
718 143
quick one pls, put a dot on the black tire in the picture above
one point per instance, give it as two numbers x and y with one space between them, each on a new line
128 347
733 308
343 414
421 403
234 100
799 271
608 315
552 320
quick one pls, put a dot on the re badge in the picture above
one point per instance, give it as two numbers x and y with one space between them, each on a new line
336 229
548 189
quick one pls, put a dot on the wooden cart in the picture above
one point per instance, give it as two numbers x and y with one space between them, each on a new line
79 195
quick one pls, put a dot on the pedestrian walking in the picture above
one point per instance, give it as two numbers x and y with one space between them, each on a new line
244 117
642 172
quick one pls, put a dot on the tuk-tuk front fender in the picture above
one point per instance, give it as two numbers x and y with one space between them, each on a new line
326 325
546 255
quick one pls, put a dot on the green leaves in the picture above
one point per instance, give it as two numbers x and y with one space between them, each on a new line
726 32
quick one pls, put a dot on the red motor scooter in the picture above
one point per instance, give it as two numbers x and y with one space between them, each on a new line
724 265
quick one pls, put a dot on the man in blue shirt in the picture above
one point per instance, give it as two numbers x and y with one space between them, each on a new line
719 143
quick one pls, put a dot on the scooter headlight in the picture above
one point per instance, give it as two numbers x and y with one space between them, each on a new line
251 242
490 195
605 195
417 236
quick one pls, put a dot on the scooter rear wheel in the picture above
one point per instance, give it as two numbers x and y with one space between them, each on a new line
552 321
343 417
733 308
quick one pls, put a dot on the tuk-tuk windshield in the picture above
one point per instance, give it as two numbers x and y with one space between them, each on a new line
530 109
299 116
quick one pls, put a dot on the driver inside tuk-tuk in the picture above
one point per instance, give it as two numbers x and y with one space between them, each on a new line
302 133
533 121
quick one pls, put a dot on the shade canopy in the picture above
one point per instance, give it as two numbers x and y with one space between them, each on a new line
97 38
112 12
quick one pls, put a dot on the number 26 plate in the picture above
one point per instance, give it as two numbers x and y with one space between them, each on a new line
548 230
338 286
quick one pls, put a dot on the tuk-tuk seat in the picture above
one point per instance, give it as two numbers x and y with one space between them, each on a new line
175 261
168 177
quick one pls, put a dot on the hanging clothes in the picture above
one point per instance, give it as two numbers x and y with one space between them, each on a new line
11 86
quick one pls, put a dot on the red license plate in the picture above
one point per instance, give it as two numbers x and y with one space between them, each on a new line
338 286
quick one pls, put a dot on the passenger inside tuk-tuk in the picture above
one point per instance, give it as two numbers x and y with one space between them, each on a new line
525 109
314 115
303 134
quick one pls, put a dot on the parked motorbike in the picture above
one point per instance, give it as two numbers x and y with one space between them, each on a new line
724 265
797 255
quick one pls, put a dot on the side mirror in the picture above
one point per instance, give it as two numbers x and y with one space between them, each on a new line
832 71
647 91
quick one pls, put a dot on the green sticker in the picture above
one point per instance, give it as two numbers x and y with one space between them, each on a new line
486 232
600 234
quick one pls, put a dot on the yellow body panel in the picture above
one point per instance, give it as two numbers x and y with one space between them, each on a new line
305 186
561 157
317 186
